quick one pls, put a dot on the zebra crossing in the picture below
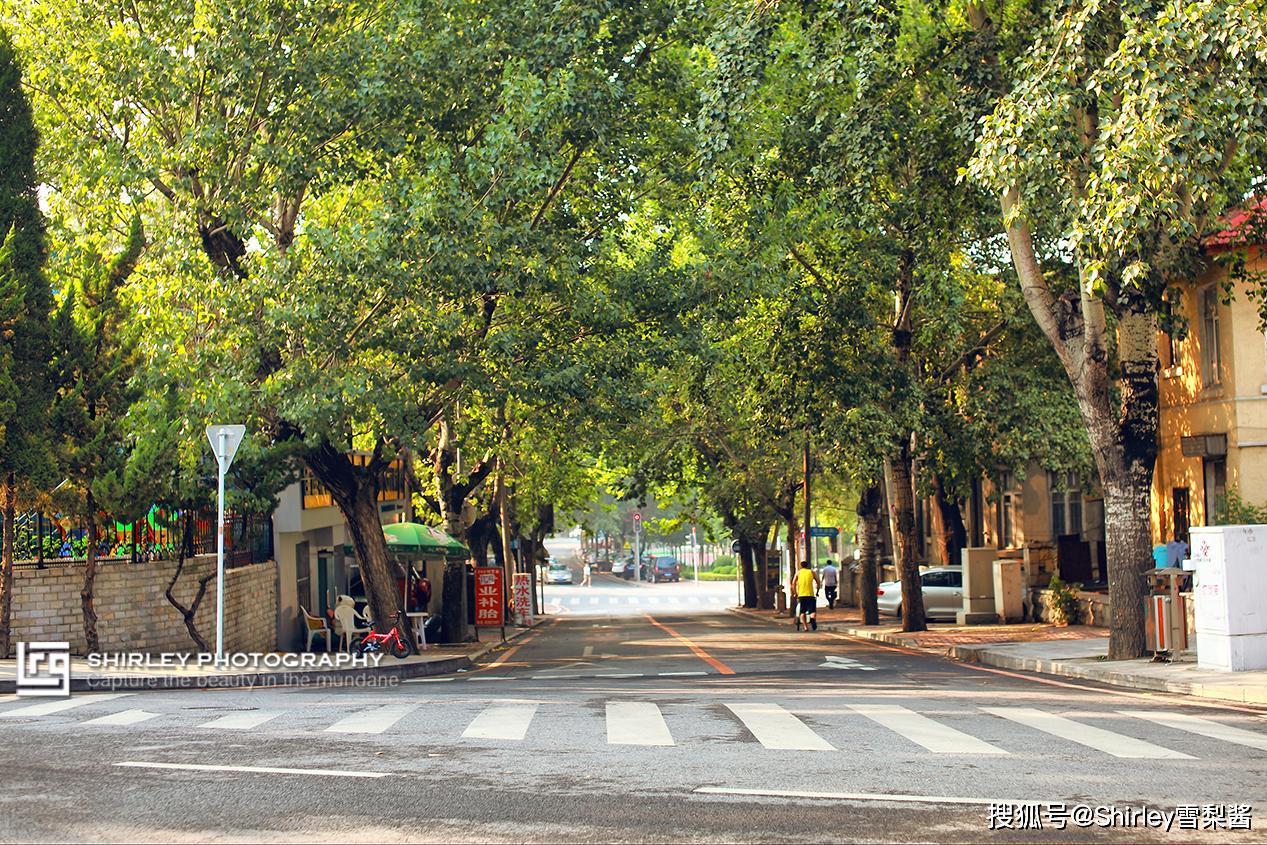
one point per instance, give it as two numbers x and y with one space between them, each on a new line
641 599
627 722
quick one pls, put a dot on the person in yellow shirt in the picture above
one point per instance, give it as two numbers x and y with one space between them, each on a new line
807 587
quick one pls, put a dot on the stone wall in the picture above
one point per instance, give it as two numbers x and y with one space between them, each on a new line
1093 608
133 613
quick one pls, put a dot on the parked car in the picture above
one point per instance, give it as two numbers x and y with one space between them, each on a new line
621 568
942 587
559 573
665 569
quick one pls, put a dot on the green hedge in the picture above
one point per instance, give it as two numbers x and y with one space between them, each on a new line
716 576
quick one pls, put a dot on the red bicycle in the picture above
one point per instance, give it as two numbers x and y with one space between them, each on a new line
394 641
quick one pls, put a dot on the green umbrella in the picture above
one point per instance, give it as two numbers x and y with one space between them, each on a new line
415 538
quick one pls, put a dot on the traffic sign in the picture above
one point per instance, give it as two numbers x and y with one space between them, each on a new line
225 440
821 531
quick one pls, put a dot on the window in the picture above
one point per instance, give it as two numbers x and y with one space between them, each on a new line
1180 497
1215 472
1211 362
1173 358
954 579
1066 504
1009 512
393 484
936 579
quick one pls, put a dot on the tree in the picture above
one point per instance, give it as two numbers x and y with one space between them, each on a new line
342 234
25 302
95 361
1114 141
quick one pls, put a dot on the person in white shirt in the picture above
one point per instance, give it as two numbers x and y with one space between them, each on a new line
830 582
585 576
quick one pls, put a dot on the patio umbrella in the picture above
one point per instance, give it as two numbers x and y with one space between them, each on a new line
415 538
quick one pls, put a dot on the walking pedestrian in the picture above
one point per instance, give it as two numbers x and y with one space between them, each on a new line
807 586
585 575
831 581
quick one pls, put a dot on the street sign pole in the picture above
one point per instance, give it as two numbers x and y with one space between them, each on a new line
637 561
225 440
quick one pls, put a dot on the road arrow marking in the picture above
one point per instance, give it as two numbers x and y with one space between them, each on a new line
834 662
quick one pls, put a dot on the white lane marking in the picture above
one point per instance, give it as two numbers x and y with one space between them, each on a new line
777 729
593 600
263 770
695 600
1204 727
1109 742
861 796
653 600
557 677
4 698
632 600
372 721
674 600
619 675
490 678
242 721
123 717
919 729
58 706
636 723
680 674
427 680
574 600
501 721
589 651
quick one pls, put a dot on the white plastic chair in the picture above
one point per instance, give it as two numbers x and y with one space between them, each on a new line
345 618
316 628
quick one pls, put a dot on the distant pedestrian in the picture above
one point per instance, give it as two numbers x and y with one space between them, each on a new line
585 576
1176 551
807 586
831 582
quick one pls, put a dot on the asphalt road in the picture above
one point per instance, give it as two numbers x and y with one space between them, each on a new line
658 727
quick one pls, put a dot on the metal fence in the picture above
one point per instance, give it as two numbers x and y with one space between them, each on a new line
41 540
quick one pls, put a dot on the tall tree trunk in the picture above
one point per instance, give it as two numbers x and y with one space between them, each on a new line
355 492
92 644
1128 481
870 503
952 534
747 562
794 553
10 493
902 503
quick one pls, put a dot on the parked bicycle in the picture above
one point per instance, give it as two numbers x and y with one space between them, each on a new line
394 641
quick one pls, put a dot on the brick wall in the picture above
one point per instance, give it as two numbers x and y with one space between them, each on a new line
133 613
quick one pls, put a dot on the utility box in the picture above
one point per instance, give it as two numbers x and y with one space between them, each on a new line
978 587
1008 606
1230 593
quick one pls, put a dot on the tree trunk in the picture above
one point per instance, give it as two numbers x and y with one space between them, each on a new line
189 613
869 507
751 597
92 644
1128 483
952 535
794 546
366 528
10 492
902 503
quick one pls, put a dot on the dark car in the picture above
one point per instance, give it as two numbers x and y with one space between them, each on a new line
665 569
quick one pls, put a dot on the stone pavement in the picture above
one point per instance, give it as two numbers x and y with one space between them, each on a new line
1076 651
273 669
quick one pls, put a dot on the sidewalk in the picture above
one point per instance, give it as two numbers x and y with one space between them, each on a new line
333 669
1076 651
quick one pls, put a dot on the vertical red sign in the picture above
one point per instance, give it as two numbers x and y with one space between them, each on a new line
489 607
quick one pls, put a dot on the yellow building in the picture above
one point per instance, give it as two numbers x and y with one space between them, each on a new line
1213 396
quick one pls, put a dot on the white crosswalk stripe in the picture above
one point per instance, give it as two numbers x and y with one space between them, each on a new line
1204 727
49 707
777 729
123 717
693 599
501 721
636 723
921 730
1118 745
242 721
373 721
593 600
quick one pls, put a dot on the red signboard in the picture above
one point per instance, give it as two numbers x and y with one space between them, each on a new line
489 608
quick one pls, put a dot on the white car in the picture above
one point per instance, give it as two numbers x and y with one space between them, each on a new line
559 573
942 587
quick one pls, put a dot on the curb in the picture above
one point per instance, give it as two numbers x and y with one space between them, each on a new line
313 677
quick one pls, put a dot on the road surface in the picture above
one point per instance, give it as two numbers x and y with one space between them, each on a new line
651 726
